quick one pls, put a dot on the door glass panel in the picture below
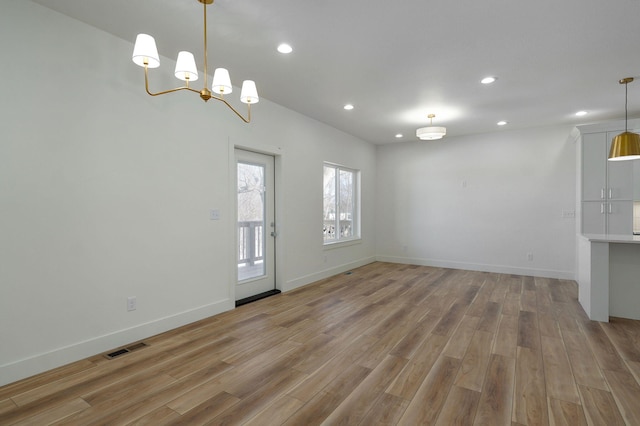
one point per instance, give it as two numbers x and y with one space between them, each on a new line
251 221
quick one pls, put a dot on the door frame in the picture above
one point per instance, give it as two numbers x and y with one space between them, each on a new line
278 154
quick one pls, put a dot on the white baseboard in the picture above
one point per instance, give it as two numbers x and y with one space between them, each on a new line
326 273
500 269
36 364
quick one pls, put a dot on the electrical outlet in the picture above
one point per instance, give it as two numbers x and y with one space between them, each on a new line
568 214
530 256
132 303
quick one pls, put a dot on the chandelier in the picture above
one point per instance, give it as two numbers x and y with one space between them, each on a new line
432 132
145 54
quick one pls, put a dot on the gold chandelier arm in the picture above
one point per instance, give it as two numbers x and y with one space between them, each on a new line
217 98
146 86
246 120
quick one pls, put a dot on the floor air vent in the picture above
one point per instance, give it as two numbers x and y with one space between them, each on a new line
128 349
137 346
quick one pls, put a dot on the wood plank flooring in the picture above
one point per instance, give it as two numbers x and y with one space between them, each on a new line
387 344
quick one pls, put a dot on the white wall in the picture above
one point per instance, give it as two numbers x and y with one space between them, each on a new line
481 202
105 193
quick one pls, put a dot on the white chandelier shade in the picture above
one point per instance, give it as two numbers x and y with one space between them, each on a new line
186 69
221 82
145 52
249 93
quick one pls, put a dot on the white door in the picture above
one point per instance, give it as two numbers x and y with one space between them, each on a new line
255 224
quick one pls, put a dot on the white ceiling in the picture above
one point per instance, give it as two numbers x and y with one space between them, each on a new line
399 61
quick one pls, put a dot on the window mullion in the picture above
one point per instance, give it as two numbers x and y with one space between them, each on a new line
337 207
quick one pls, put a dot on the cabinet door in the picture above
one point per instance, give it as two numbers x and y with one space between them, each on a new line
636 180
594 166
619 175
594 217
620 217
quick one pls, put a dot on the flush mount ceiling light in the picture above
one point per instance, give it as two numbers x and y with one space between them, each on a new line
145 54
488 80
432 132
625 146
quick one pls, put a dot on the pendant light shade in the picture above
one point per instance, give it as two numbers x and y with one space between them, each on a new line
625 146
186 69
221 82
145 52
431 133
249 93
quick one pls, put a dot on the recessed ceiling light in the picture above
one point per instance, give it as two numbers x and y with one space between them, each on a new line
399 135
501 123
348 107
488 80
581 113
285 48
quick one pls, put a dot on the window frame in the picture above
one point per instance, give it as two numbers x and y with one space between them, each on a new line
355 221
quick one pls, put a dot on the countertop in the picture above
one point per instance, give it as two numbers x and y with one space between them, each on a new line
613 238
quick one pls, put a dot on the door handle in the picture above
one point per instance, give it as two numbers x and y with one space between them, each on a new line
274 234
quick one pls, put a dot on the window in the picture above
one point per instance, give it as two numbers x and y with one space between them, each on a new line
341 204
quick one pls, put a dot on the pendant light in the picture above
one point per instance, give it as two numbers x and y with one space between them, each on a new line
625 146
432 132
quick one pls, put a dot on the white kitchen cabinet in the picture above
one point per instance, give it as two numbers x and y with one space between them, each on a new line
607 187
607 217
594 168
636 180
620 217
594 218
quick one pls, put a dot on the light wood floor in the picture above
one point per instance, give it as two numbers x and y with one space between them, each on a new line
388 344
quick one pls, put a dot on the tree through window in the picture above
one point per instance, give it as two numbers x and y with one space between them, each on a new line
340 210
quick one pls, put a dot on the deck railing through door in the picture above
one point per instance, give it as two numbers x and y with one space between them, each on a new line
250 244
